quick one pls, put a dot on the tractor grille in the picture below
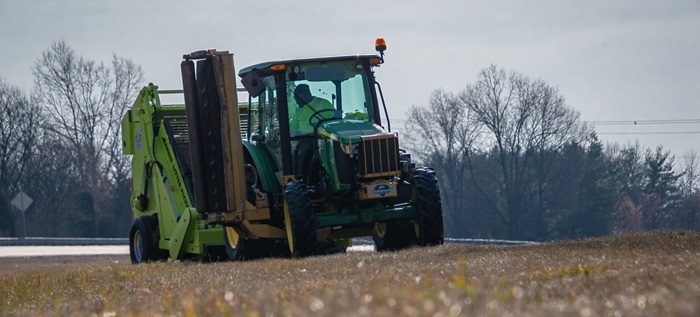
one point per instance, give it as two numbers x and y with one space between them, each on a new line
378 156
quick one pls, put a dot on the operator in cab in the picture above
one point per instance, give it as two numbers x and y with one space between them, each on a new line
301 123
308 105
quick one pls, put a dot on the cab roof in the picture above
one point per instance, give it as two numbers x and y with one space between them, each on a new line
265 65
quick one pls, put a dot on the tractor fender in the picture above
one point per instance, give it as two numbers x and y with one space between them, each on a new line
264 164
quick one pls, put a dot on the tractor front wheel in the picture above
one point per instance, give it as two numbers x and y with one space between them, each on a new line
392 236
299 220
425 194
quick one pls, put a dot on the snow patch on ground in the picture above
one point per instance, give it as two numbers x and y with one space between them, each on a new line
33 251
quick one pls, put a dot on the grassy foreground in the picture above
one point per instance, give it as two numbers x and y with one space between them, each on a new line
650 274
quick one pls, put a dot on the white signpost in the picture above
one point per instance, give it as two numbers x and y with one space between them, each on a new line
22 202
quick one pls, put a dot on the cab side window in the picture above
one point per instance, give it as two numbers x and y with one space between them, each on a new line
269 121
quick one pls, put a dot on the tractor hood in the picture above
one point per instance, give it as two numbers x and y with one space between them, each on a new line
348 131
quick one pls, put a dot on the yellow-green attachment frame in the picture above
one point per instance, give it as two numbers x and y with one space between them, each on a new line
158 186
185 226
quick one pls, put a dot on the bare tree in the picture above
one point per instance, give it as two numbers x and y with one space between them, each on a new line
53 179
19 128
84 101
689 212
690 173
443 132
629 217
525 119
502 141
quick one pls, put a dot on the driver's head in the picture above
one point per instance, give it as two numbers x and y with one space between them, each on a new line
302 94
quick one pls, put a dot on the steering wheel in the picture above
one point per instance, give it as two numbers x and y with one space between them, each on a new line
317 115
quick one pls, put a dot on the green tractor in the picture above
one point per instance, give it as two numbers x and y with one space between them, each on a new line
301 168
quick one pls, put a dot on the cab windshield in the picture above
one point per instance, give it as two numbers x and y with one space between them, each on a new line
323 90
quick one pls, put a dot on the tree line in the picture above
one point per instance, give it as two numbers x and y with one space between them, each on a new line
516 162
61 145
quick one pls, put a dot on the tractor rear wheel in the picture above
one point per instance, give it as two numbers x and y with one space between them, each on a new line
299 220
242 249
143 240
235 245
425 193
393 236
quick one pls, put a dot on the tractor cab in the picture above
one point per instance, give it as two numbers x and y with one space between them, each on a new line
303 107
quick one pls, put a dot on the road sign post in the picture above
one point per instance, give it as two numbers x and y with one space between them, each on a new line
22 202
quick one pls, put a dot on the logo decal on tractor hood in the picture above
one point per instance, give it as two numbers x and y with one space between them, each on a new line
381 190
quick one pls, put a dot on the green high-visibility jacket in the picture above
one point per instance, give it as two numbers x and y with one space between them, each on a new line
299 123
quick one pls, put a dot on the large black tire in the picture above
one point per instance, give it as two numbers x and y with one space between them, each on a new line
242 249
235 245
299 220
425 193
143 240
393 236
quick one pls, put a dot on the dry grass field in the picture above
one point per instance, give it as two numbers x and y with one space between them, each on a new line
650 274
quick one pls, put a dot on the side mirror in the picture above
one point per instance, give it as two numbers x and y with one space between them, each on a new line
253 84
257 137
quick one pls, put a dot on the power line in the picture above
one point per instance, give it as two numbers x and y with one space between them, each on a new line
643 122
652 133
615 122
624 123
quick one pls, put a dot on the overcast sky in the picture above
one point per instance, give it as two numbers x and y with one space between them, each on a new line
611 60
